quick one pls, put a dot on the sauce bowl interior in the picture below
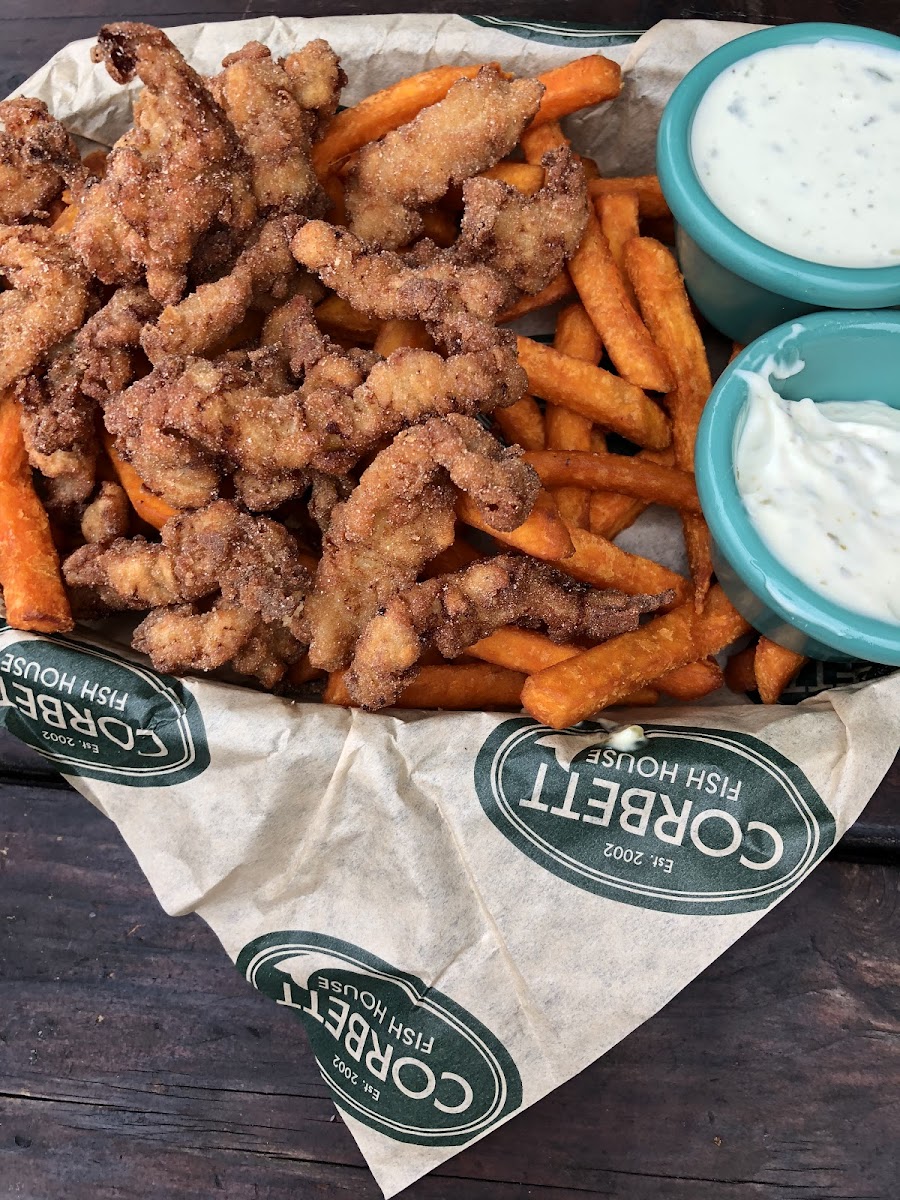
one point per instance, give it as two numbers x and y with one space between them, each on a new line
847 356
773 270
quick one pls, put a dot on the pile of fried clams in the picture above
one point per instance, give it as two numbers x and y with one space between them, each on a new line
313 482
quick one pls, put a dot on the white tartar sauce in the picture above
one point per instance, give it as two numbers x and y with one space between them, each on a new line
799 146
821 484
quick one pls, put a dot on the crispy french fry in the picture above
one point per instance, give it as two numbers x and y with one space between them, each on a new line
611 513
651 200
577 688
455 558
148 506
602 397
664 303
450 686
577 84
333 187
440 226
602 290
522 424
521 649
740 672
774 667
302 671
618 214
543 535
336 316
383 111
567 430
538 140
557 289
524 176
599 562
401 335
692 681
617 473
33 590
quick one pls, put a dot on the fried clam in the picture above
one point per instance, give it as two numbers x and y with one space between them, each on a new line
201 321
47 298
180 171
224 587
37 159
399 517
527 239
235 417
276 106
60 400
477 123
452 612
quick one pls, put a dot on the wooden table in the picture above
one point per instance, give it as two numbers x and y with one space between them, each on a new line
134 1061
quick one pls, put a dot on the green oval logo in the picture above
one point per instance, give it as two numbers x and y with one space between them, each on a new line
96 714
401 1057
694 821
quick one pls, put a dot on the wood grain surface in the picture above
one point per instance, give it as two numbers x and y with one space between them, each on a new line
135 1063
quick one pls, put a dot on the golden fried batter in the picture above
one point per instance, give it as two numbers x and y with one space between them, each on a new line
170 178
476 124
265 103
204 319
386 285
47 299
37 157
526 238
108 515
400 516
316 81
248 564
451 612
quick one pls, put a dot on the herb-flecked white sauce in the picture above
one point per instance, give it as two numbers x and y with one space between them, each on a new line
799 146
821 485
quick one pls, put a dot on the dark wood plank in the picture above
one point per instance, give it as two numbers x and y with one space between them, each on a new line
31 31
135 1062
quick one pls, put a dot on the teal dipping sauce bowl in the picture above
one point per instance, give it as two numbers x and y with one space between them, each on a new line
742 286
847 356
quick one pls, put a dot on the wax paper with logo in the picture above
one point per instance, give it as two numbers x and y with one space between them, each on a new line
463 910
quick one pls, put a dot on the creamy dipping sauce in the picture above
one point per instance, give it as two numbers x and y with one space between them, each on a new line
799 146
821 484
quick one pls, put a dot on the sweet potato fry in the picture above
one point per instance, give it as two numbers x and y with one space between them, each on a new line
602 397
736 349
567 430
521 649
599 562
399 334
577 688
383 111
611 512
33 590
526 177
341 319
538 140
522 424
692 681
333 188
557 289
455 558
651 201
450 686
664 303
774 667
578 84
302 671
618 213
617 473
148 506
544 535
740 672
602 290
439 226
